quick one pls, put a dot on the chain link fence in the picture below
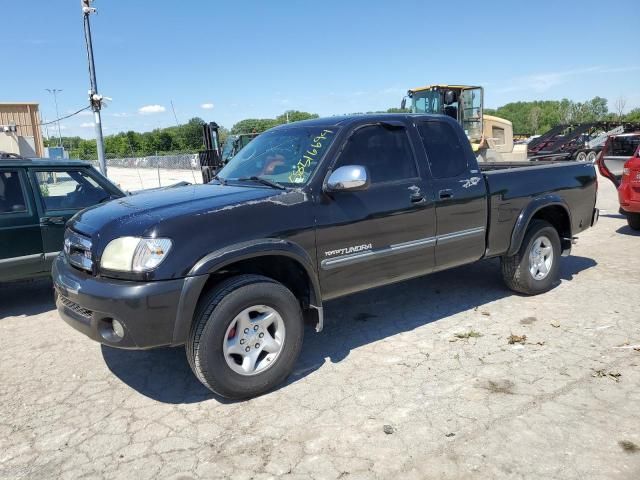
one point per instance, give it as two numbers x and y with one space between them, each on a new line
140 173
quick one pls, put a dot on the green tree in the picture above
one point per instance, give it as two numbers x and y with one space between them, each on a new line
633 115
253 125
295 116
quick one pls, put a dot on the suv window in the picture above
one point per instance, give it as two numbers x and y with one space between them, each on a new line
11 194
624 146
69 190
446 156
385 151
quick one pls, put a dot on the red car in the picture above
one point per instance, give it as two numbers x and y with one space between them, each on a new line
620 163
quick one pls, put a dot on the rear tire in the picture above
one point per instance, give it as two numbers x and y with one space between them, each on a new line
592 156
633 219
214 329
581 156
524 272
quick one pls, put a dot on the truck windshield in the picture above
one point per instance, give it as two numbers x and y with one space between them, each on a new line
287 156
427 101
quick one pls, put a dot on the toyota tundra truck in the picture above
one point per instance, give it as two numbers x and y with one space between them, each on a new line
308 212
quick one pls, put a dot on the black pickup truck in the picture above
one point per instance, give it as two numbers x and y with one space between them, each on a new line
305 213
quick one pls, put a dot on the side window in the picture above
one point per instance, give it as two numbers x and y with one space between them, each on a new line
11 195
69 190
498 135
385 151
446 156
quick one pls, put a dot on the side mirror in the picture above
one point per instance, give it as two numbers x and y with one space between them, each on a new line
403 103
349 178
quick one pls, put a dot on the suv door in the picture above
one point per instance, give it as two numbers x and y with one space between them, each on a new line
20 241
460 193
62 192
382 234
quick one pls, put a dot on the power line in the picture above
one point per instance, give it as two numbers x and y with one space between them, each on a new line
65 117
58 119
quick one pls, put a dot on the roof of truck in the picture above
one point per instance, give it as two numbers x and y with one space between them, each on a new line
341 120
428 87
12 160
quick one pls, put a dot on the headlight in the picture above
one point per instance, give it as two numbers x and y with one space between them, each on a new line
134 254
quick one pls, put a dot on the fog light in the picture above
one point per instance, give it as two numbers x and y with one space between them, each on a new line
118 329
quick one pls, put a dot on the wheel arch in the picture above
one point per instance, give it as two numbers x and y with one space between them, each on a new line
550 208
281 260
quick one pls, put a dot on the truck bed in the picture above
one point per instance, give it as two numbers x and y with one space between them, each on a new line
514 186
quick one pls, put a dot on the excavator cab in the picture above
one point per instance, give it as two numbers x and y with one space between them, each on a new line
462 102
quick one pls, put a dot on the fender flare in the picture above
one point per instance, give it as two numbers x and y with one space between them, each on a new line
527 213
214 261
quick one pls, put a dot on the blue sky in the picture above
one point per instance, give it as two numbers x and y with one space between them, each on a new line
226 61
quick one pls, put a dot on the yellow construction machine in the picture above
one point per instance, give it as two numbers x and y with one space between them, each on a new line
491 137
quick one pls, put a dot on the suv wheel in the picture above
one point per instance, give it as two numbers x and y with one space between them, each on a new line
633 219
246 336
535 268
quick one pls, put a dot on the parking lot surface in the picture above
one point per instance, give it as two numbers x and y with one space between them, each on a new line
447 376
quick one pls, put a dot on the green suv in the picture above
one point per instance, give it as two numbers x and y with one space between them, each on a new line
37 197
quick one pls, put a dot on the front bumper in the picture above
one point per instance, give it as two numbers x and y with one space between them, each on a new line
146 310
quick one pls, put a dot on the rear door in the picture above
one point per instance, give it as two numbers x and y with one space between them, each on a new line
382 234
460 194
62 192
20 241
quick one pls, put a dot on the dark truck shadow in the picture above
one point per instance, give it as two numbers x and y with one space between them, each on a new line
350 322
627 230
28 297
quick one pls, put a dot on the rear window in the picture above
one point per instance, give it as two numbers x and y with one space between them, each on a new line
446 157
624 146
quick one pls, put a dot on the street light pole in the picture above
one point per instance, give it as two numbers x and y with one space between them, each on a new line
94 98
55 91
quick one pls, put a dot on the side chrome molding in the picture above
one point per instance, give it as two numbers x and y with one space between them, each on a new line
344 260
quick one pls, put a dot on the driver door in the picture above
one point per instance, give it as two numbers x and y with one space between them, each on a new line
62 192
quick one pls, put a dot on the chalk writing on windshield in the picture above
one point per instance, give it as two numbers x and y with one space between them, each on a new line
299 173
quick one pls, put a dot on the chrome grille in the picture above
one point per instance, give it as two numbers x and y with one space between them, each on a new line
71 305
77 248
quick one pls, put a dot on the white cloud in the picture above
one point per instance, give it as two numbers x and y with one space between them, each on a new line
121 114
542 82
207 106
150 109
87 125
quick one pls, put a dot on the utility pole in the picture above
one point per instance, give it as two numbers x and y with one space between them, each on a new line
55 91
94 98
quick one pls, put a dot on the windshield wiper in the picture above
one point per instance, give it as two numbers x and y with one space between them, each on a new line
263 181
220 179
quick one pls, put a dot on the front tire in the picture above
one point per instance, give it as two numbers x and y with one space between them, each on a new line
633 219
535 268
246 336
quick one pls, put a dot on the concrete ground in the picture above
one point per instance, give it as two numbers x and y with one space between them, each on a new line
415 380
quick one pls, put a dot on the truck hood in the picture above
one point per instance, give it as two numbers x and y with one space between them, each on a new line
135 215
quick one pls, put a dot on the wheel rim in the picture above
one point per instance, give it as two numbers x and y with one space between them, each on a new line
591 157
540 257
581 157
253 340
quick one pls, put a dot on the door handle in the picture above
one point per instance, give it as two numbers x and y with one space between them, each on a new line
445 194
52 221
417 198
